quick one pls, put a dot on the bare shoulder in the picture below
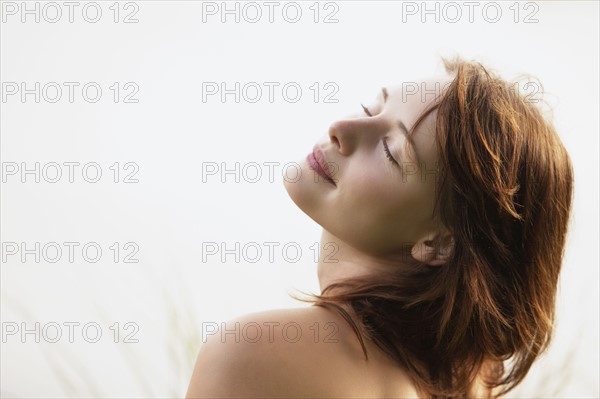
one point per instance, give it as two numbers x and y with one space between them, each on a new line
266 354
304 352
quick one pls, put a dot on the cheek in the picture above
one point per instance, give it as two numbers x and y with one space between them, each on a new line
374 194
383 199
379 187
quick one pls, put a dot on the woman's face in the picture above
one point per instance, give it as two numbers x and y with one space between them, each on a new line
376 205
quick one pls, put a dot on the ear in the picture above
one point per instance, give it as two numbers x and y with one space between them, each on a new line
433 249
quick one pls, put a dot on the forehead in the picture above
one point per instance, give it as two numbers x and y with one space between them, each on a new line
410 99
417 93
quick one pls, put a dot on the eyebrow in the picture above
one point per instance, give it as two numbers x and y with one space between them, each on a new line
404 130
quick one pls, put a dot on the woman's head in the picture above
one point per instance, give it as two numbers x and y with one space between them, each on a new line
385 168
493 222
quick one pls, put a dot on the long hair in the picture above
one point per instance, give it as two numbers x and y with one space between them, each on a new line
504 192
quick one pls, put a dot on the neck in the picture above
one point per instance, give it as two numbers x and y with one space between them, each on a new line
339 261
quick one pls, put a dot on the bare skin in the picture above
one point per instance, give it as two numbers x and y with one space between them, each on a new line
316 356
373 209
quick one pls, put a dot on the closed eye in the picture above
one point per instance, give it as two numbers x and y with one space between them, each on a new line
387 151
388 154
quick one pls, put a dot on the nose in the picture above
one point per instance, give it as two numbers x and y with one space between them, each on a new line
348 135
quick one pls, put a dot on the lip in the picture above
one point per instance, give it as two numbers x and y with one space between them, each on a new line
318 163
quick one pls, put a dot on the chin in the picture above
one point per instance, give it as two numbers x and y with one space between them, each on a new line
300 192
307 195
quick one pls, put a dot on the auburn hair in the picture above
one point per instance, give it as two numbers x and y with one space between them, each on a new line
504 191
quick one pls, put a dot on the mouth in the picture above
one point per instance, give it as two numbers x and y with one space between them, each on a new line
318 163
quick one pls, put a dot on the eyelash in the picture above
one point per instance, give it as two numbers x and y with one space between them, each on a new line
385 146
387 151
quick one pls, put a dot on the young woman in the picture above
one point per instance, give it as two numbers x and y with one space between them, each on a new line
449 217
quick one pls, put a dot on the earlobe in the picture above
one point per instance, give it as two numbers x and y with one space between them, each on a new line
425 250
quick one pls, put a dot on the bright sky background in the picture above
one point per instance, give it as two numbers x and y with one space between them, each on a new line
170 136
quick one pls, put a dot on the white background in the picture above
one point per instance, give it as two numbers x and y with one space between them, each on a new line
170 132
